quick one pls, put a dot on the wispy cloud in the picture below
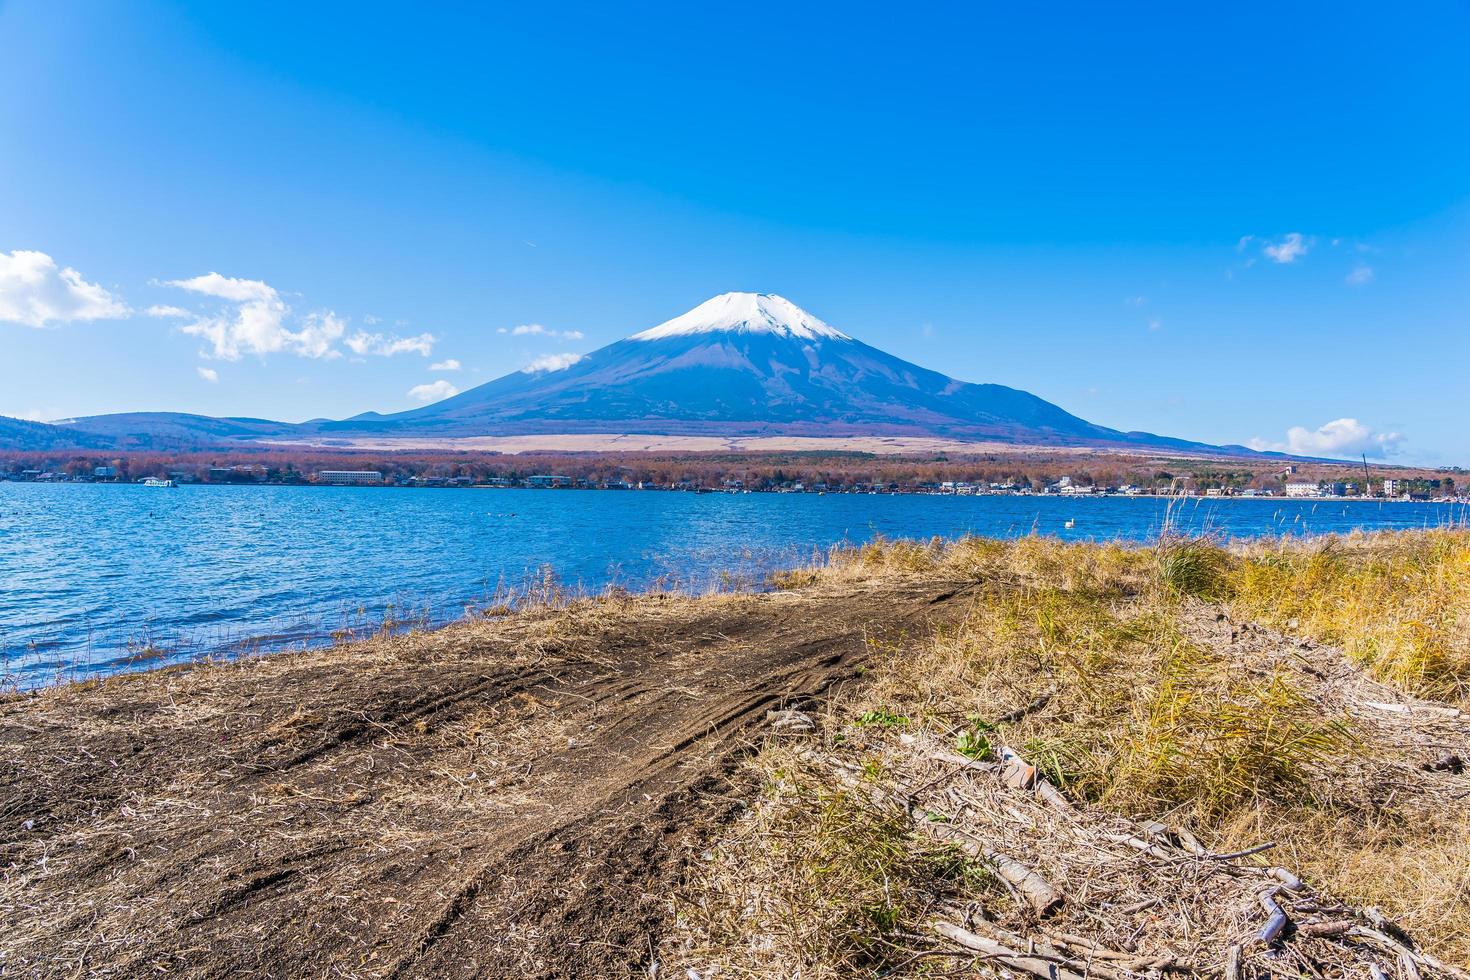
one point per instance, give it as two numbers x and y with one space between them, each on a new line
208 374
1340 437
433 391
1290 248
386 345
36 292
448 364
537 330
168 312
1360 276
551 362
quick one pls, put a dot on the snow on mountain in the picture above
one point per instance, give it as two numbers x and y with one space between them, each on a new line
739 364
745 313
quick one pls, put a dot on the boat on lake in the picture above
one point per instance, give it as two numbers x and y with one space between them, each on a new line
154 481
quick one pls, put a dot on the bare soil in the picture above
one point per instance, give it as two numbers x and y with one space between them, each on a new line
517 796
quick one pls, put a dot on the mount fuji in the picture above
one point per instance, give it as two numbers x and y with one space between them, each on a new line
740 364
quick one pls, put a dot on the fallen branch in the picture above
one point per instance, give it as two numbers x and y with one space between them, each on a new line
1395 948
1039 892
990 949
1276 917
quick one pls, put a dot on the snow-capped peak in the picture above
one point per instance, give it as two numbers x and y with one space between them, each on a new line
745 313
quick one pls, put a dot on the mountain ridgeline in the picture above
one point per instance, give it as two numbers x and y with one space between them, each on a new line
738 365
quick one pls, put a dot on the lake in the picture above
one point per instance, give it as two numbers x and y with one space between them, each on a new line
96 578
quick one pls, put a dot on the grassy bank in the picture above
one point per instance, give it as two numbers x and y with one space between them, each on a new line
1188 700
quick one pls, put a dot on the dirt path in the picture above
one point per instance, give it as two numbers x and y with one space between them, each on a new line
514 797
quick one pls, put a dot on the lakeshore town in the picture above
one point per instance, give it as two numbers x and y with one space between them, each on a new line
1282 482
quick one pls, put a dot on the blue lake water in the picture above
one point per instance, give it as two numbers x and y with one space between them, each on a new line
100 578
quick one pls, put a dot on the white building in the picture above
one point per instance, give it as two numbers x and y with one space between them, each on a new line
349 478
1303 490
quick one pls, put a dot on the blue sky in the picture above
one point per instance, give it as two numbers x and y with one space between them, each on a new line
1223 223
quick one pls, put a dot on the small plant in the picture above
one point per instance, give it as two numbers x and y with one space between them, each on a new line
881 719
972 744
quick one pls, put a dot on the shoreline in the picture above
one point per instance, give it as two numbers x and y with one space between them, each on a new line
401 805
704 491
61 655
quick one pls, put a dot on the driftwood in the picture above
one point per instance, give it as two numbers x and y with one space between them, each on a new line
1336 927
1288 880
1009 768
1393 947
1056 955
1037 891
1276 919
1003 955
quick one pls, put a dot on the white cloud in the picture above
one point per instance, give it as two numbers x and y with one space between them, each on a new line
1360 276
208 374
1155 324
255 321
35 292
449 364
223 287
1288 250
1340 437
551 362
386 345
318 333
537 330
371 320
176 312
433 391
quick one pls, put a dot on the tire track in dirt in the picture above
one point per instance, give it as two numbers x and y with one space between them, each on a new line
514 797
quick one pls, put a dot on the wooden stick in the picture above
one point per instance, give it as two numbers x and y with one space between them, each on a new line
1390 945
1038 891
989 948
1276 920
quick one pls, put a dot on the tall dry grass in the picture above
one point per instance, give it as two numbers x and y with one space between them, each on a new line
1396 602
1091 659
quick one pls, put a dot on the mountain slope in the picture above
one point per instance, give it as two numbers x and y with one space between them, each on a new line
22 435
746 364
740 364
174 430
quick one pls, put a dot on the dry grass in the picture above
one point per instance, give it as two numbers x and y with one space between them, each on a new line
1398 603
842 879
1118 673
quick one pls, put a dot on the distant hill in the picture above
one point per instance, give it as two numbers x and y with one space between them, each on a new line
740 364
175 430
19 434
